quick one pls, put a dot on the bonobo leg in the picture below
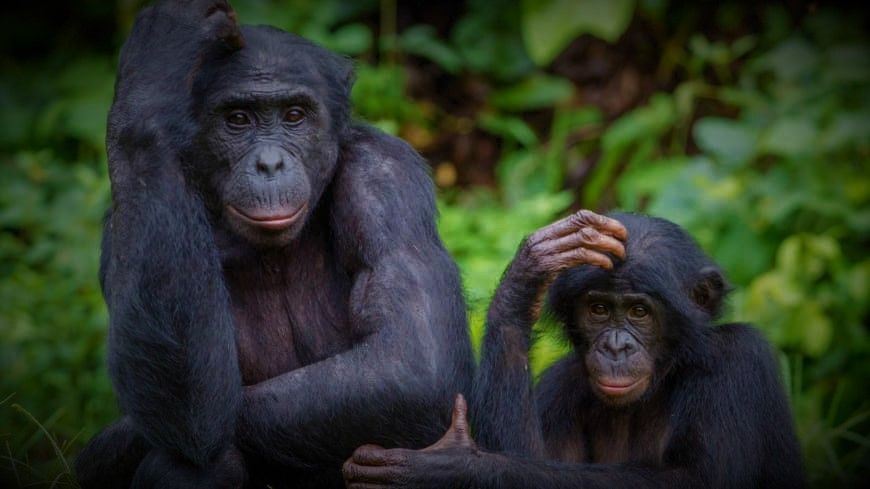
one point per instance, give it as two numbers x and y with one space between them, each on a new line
119 457
162 470
111 457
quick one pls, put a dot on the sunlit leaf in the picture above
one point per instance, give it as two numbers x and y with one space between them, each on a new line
790 137
549 25
534 92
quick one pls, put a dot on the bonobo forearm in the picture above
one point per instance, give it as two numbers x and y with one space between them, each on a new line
397 377
171 349
522 473
503 388
504 385
517 300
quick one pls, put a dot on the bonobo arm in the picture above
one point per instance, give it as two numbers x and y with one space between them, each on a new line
406 304
171 353
731 427
503 406
455 462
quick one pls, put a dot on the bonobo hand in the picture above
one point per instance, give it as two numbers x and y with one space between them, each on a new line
164 49
438 465
204 19
158 64
583 238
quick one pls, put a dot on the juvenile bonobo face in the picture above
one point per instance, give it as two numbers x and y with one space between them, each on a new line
270 124
621 330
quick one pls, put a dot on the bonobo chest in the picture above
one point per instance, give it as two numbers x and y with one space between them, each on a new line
613 436
290 306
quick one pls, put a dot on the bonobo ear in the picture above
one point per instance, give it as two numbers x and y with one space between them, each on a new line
347 74
710 290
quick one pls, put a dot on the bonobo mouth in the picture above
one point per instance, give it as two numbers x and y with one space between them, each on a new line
617 387
271 222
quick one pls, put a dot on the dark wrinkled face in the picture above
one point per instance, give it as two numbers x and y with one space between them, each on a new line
267 123
622 331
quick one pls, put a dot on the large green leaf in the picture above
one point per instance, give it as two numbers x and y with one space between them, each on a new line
535 92
728 140
549 25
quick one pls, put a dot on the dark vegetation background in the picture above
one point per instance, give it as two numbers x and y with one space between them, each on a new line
749 124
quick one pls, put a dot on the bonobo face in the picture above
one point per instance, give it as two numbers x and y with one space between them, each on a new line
621 330
270 124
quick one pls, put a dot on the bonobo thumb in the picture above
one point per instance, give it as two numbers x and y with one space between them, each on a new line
457 436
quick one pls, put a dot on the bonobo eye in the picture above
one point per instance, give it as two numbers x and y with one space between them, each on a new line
599 311
638 312
294 116
238 118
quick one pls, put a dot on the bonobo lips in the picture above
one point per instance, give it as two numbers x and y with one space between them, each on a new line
271 222
618 386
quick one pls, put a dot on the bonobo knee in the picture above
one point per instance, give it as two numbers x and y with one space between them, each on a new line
111 457
161 470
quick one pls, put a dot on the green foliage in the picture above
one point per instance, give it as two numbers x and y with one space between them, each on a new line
482 235
549 25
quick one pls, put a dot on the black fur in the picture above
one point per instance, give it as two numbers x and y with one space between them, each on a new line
268 361
688 405
715 416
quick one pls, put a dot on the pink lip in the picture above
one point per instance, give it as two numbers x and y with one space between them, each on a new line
615 388
271 222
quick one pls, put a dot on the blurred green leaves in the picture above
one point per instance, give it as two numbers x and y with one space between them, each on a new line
549 25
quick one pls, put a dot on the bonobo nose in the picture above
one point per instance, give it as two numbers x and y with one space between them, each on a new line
618 345
270 161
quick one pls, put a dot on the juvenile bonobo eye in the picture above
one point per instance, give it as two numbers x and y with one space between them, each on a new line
294 116
599 311
638 312
238 119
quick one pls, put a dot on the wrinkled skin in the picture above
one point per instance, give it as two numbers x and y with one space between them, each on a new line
652 396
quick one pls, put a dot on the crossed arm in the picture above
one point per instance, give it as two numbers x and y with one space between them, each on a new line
406 297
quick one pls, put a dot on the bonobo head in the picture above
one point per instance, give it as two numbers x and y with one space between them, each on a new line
271 119
633 325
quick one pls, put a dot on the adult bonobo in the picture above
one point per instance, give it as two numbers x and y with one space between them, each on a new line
653 395
277 290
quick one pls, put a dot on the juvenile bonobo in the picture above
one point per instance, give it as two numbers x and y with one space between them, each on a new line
653 395
277 290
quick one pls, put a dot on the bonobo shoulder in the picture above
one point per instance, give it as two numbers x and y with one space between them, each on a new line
558 384
382 186
370 156
744 349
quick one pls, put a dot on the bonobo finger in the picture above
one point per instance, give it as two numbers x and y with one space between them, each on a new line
457 434
603 224
369 473
376 455
588 238
556 230
582 256
459 421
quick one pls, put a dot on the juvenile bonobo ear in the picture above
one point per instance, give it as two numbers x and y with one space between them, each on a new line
457 435
710 290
